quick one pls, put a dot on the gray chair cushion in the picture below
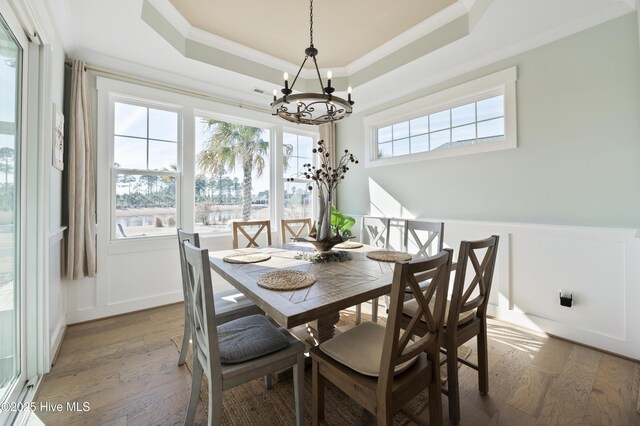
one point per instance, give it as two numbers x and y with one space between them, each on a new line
248 338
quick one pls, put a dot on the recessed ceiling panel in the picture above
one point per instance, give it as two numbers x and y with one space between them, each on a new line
343 31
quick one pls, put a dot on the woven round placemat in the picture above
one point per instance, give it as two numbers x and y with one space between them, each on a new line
286 280
246 258
348 245
388 255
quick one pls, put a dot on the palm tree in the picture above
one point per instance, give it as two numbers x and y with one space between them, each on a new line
230 145
6 166
6 163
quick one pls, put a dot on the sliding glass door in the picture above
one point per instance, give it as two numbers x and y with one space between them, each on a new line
11 365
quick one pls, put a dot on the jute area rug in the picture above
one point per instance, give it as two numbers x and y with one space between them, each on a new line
251 404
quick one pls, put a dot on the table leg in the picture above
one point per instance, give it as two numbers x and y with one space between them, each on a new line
323 328
313 334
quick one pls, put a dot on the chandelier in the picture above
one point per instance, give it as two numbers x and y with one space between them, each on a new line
310 108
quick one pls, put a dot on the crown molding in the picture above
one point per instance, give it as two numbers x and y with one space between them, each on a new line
615 10
192 43
60 11
426 27
631 3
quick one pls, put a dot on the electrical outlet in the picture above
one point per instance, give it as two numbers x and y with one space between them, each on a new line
566 298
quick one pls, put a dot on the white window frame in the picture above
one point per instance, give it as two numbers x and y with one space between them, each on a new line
314 159
499 83
191 106
146 103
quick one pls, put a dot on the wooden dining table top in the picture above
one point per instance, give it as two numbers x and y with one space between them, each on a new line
338 285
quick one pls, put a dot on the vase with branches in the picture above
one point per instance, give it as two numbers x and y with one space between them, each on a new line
326 178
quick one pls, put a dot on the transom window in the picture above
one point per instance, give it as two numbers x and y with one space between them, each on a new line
466 124
477 116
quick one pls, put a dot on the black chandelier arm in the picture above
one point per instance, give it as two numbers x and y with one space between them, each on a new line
300 70
318 72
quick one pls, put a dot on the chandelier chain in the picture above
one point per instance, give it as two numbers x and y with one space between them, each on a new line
311 21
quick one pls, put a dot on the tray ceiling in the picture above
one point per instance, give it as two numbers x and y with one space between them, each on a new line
343 30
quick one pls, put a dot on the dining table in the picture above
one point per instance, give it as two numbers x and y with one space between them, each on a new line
339 284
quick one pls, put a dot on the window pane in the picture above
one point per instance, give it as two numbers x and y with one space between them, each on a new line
220 178
163 125
305 145
145 205
290 140
289 163
401 147
385 150
11 320
464 114
439 120
420 125
130 120
384 134
400 130
130 153
463 133
289 150
439 138
420 143
297 200
491 128
163 155
491 108
297 151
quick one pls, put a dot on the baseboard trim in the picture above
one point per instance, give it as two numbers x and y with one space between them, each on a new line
57 343
89 321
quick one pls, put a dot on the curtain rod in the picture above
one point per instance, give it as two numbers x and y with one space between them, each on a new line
171 88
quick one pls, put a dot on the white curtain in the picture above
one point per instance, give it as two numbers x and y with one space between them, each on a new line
81 237
328 135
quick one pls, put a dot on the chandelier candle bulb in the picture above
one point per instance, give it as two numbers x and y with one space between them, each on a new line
329 75
286 80
275 95
348 95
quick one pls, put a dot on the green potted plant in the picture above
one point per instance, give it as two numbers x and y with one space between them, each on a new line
340 223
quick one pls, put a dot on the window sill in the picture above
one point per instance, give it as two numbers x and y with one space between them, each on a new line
142 244
445 153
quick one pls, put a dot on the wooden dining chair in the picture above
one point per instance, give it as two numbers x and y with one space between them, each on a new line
374 231
294 228
248 229
235 352
466 315
229 304
422 238
383 368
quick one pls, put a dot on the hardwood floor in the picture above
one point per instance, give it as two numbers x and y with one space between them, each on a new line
126 369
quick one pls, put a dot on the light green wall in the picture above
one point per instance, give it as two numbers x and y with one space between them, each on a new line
578 155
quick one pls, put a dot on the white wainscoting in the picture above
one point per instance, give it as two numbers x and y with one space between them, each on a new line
134 275
598 265
57 303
